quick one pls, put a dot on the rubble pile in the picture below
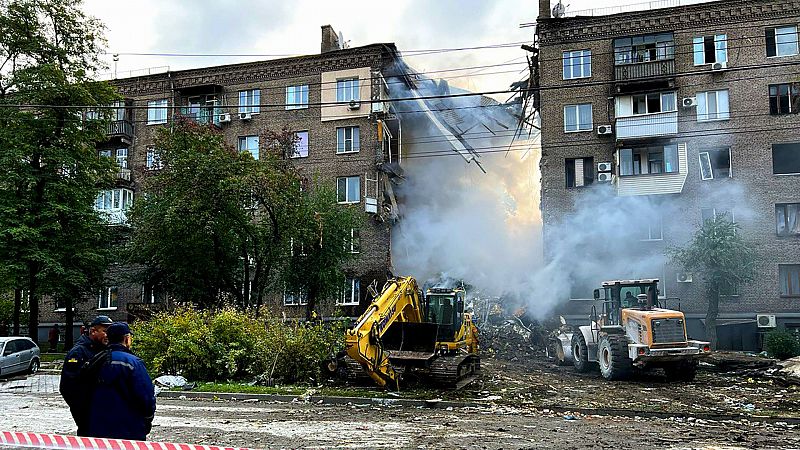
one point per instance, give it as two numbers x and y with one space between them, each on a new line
785 373
513 340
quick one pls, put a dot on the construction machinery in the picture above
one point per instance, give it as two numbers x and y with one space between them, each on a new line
633 331
404 335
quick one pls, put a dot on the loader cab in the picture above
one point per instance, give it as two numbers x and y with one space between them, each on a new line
622 294
445 307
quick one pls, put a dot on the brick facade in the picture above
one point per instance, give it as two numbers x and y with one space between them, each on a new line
322 163
749 134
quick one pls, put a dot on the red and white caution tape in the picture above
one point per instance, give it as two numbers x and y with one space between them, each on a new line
62 442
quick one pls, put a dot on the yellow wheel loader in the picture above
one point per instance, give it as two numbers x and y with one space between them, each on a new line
404 334
632 332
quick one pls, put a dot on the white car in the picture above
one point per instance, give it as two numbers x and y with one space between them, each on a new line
18 355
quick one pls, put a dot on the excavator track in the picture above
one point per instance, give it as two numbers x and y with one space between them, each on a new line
455 371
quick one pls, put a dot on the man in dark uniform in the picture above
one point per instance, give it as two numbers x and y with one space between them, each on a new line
75 386
125 391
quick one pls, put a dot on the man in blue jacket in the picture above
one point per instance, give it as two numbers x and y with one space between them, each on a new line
124 398
75 386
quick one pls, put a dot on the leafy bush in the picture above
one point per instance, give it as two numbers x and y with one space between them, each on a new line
230 344
781 344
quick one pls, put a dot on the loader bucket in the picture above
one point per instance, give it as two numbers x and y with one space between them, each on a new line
407 341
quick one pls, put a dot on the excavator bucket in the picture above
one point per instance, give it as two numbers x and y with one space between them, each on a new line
410 343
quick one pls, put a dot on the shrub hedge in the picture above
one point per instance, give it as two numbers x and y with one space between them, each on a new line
781 344
229 344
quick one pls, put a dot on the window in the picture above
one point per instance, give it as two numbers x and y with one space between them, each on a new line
782 41
652 230
640 49
300 144
653 103
728 289
649 160
787 219
710 49
786 158
713 105
114 200
354 243
122 158
118 110
578 118
351 293
715 164
298 298
153 159
301 248
347 140
346 90
297 97
784 98
715 214
348 189
154 294
249 144
577 64
789 275
61 304
157 112
579 172
108 298
249 101
105 153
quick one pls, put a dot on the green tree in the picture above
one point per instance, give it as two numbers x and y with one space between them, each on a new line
722 258
51 173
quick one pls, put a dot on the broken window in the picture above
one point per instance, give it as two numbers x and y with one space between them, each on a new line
782 41
787 219
577 64
710 49
653 103
713 105
715 164
786 158
578 118
579 172
639 49
789 275
784 98
649 160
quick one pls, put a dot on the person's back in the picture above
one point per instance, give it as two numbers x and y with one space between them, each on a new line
124 396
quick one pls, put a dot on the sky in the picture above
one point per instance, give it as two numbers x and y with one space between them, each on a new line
279 27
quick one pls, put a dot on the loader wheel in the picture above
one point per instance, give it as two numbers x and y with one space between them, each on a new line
681 371
580 352
612 355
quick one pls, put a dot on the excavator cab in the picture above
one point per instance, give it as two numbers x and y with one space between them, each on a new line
445 307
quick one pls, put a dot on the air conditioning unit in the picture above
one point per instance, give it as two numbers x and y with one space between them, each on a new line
689 102
378 107
245 116
605 177
765 321
224 118
604 167
684 277
371 205
605 129
717 66
353 105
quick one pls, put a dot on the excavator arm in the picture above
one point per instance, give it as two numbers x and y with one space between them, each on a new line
398 302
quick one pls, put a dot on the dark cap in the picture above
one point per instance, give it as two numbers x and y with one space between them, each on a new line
117 331
101 320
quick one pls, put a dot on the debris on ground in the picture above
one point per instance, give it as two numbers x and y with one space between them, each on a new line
730 361
166 382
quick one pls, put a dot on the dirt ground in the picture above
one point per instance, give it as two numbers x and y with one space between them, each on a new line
524 404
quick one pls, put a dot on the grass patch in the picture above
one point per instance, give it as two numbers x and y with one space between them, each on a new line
51 357
243 388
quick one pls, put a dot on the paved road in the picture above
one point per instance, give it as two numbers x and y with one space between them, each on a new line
300 425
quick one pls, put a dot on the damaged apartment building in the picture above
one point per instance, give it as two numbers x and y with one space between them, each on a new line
352 142
692 110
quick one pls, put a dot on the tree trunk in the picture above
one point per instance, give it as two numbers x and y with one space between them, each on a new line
33 303
17 311
312 303
70 319
711 317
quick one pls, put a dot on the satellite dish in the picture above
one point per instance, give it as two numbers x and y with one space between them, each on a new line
342 42
559 10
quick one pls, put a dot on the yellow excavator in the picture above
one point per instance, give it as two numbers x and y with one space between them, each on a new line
404 335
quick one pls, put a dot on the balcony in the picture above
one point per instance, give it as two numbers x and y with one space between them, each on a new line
124 174
647 125
206 115
645 70
121 129
654 183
